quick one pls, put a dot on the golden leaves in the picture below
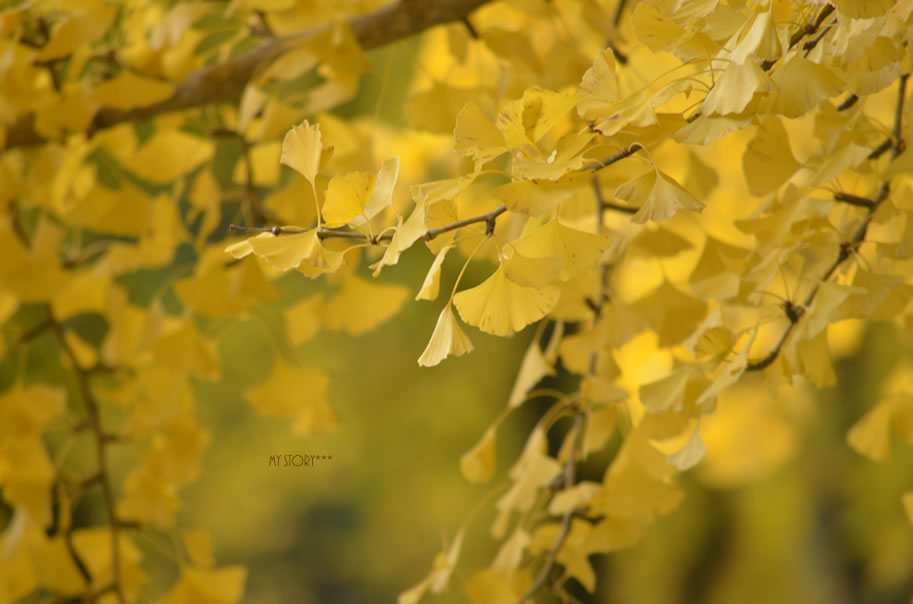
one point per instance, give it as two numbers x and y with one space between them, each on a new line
500 306
302 149
293 392
446 339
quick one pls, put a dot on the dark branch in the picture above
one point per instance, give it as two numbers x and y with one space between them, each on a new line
324 233
858 237
626 152
225 82
854 200
569 470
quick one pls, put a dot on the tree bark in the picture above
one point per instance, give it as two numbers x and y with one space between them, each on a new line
226 81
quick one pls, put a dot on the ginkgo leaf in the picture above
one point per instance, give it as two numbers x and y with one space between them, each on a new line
362 305
691 454
599 88
288 251
168 155
577 250
432 284
864 9
768 161
477 136
659 196
736 88
382 194
527 119
294 392
531 272
533 368
302 148
501 307
802 85
447 339
673 314
536 198
302 319
129 91
761 41
346 197
478 464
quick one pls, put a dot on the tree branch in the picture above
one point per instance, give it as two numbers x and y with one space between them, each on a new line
226 81
324 233
569 471
104 478
858 237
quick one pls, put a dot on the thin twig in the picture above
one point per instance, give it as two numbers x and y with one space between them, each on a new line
569 471
325 233
602 204
94 416
619 12
858 237
616 157
854 200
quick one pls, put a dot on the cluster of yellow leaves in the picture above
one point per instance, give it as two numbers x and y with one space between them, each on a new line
656 340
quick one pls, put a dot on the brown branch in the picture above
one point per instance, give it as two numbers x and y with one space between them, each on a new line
103 477
847 247
848 102
854 200
616 157
619 12
324 233
881 149
569 471
226 81
602 204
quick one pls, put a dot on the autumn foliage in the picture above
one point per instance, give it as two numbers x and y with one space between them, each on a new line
677 200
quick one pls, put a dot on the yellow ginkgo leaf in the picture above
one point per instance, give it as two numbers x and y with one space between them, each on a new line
802 85
361 305
475 135
871 435
302 319
432 284
81 29
302 148
447 339
291 391
736 88
527 119
128 91
298 250
168 155
864 9
691 453
382 195
761 41
659 195
535 198
578 250
673 314
478 464
768 161
599 88
501 307
533 368
531 272
346 197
